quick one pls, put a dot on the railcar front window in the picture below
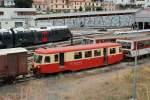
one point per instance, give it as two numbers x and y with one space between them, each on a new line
37 58
47 59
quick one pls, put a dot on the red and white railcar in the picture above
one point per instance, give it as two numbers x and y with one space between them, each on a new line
110 38
76 57
129 46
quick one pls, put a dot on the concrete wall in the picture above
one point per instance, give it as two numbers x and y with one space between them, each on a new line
100 21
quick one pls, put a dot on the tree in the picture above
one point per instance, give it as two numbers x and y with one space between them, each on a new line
80 9
23 3
87 8
99 8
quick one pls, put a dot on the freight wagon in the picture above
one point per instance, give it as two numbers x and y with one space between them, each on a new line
13 62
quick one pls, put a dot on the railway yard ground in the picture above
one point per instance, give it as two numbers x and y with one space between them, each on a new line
109 83
113 82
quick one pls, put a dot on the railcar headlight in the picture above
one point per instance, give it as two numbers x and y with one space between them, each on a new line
38 66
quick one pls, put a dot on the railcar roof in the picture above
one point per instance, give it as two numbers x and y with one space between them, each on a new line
40 28
12 51
111 36
138 38
75 48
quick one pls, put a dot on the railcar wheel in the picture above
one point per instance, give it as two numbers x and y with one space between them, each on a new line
36 73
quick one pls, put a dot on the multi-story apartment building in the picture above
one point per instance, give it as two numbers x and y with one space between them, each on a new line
59 5
110 6
40 5
123 2
66 5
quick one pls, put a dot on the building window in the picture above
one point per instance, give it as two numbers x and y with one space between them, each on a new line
88 54
18 24
77 55
112 50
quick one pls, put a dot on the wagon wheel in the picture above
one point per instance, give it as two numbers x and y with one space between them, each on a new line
10 80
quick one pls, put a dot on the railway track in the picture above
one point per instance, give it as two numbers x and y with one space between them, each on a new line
82 73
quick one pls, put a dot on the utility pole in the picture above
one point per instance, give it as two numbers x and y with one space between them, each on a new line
134 96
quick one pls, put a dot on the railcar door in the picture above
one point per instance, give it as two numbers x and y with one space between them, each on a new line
105 52
44 36
61 60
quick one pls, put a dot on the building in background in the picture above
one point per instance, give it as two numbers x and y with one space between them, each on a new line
1 3
17 17
142 19
66 5
40 5
9 3
109 6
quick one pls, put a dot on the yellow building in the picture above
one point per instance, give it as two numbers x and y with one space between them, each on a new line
71 5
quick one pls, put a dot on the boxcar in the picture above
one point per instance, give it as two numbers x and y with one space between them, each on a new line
77 57
13 62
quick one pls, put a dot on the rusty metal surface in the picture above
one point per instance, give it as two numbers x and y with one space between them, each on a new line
3 66
13 63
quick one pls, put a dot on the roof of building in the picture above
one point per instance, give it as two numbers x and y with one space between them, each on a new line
86 13
142 15
74 48
12 51
17 9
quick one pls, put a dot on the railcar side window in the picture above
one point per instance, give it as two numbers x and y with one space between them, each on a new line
125 45
112 50
77 55
38 59
56 58
88 54
120 49
97 53
47 59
